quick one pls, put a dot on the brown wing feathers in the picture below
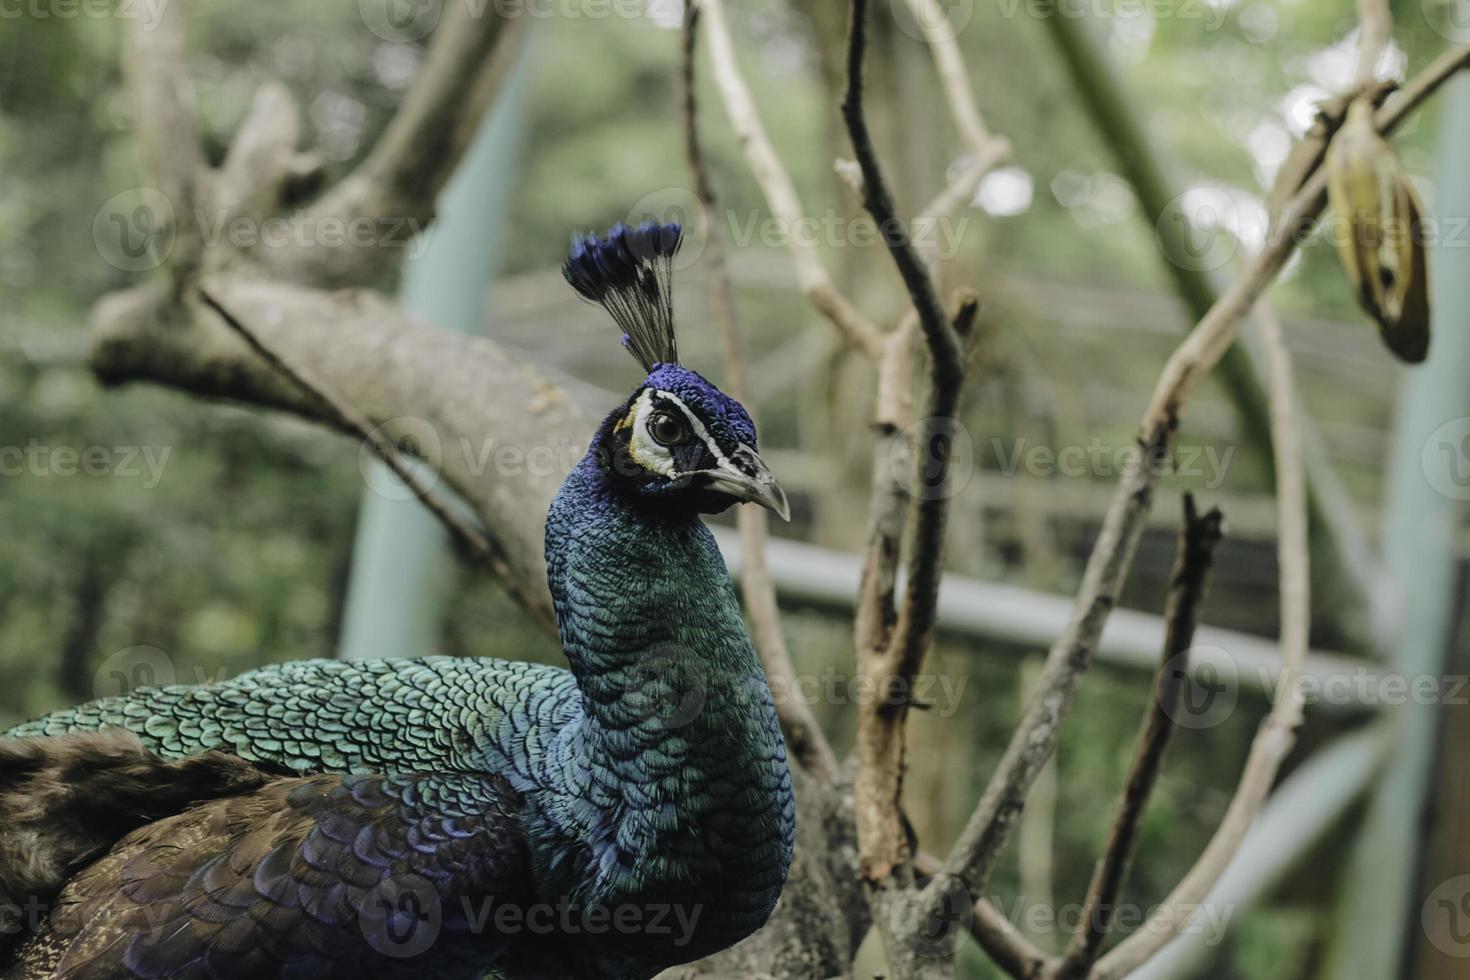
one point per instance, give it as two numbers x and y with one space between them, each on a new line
65 800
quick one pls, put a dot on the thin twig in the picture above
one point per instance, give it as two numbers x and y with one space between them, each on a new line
776 185
944 345
984 150
808 743
1197 540
1375 31
930 508
881 841
341 413
973 855
1277 732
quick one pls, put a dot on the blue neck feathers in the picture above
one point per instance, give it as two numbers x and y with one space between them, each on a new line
678 738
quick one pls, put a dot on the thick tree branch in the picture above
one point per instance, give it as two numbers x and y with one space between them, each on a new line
156 63
473 48
495 430
808 742
338 411
1197 540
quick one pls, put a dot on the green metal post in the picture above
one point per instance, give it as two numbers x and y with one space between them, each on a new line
1426 487
401 566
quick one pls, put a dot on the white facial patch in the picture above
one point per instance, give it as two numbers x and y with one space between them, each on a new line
647 452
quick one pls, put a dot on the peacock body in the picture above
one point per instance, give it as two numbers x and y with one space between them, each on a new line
439 816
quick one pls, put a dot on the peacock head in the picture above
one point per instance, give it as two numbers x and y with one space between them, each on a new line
678 442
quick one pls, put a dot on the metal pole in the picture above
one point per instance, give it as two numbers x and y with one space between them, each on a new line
1426 487
401 566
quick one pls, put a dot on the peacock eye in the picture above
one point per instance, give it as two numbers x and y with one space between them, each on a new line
667 429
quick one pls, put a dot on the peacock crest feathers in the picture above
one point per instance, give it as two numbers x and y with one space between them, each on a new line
629 272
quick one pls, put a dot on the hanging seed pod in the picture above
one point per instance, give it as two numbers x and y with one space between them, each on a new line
1380 237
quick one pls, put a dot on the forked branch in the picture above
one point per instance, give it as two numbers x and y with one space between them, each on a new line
338 411
973 856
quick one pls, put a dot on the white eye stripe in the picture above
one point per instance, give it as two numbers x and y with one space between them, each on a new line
647 451
698 427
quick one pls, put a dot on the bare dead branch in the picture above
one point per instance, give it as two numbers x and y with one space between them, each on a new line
263 165
881 840
984 149
776 185
1197 540
156 63
1031 745
808 743
473 48
1277 732
1375 31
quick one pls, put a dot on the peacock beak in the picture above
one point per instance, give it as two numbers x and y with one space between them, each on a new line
746 477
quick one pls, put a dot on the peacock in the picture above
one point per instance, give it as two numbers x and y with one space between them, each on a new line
446 817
